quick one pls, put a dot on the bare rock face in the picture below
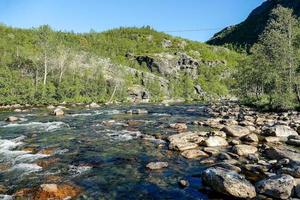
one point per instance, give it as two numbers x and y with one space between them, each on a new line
157 165
236 131
228 182
169 64
138 94
279 186
243 150
216 141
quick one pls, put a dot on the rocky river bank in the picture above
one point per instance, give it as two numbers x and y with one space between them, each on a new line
223 151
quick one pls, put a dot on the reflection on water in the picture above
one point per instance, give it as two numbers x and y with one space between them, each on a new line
104 151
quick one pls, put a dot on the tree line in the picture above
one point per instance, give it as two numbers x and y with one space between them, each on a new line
270 76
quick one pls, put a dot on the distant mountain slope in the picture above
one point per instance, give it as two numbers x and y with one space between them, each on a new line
247 32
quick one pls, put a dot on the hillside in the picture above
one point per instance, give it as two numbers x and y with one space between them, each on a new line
247 32
126 64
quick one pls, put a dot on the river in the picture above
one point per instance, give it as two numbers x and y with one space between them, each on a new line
104 151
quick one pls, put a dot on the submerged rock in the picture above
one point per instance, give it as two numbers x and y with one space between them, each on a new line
228 182
236 130
50 191
157 165
279 186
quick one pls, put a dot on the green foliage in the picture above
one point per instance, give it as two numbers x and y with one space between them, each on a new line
270 73
42 66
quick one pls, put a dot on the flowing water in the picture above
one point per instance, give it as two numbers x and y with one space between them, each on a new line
97 150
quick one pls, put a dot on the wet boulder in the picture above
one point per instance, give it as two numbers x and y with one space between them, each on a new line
185 141
12 119
157 165
281 152
194 153
183 183
236 130
94 105
279 131
271 140
215 141
50 191
294 140
228 182
58 112
243 150
279 186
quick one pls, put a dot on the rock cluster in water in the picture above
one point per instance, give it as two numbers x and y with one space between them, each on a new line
248 154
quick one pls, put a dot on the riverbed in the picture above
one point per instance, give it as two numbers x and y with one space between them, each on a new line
104 151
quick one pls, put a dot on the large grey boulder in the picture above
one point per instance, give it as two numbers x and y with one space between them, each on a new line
228 182
279 186
279 131
236 130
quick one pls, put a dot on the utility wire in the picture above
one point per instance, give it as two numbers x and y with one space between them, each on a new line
192 30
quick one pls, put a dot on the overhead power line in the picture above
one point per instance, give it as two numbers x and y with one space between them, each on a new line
193 30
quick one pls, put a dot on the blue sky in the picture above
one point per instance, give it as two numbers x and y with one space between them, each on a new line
163 15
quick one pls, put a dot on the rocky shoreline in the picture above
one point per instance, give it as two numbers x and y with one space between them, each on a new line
249 154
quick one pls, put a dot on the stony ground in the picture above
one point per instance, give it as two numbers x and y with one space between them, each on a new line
249 154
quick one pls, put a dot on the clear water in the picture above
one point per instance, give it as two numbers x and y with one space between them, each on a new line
106 160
